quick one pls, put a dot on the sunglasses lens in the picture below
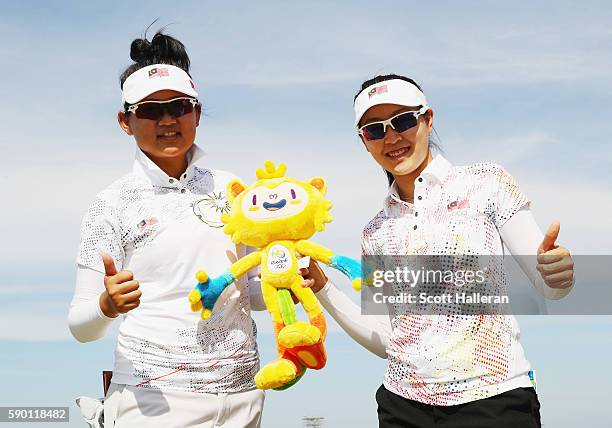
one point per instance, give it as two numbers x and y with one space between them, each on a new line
179 108
375 131
404 122
151 111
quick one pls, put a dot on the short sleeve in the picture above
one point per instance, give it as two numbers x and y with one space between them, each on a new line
368 245
508 196
100 231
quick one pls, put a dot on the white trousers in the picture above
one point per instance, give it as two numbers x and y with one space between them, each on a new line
128 406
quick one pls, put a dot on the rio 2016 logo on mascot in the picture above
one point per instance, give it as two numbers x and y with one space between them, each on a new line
277 215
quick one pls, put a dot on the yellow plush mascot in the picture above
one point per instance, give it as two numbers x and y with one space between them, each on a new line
277 215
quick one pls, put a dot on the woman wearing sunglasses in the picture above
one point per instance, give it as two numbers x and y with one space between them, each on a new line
142 240
451 370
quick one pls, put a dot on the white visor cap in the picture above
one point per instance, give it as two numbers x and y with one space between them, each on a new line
395 91
152 78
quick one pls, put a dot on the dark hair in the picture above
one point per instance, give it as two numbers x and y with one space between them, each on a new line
162 49
433 144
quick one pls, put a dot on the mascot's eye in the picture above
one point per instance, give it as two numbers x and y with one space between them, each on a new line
293 194
254 199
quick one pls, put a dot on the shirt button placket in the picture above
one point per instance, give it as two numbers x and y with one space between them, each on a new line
419 244
417 205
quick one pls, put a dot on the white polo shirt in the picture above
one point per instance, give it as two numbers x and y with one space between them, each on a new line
164 230
451 359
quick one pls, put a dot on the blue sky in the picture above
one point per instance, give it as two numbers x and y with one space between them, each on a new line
523 84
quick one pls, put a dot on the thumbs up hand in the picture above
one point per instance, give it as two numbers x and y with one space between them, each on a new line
555 262
121 292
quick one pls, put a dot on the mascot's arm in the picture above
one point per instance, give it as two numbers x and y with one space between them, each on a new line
245 264
346 265
207 290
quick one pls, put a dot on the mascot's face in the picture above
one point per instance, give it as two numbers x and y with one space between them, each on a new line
275 208
285 200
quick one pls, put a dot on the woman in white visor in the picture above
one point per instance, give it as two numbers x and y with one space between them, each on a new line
142 240
447 367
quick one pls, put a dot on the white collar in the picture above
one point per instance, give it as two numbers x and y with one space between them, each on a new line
435 172
146 167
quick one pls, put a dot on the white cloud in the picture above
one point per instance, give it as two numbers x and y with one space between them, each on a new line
455 52
505 149
35 321
50 193
581 206
487 54
270 45
15 290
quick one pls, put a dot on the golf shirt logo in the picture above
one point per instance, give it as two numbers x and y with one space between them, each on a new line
210 208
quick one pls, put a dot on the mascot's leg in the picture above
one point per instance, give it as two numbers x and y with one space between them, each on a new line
305 341
286 370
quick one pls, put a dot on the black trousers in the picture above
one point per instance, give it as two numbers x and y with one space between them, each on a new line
518 408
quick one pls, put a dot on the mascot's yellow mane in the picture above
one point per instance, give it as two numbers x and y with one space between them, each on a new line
258 232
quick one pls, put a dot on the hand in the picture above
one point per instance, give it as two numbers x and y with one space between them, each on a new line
555 262
314 277
121 293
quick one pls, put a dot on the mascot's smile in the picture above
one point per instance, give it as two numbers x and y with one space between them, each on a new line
274 207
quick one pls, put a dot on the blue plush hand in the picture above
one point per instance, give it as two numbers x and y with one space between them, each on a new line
349 267
207 291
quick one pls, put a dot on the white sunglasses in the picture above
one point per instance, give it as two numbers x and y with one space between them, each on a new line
400 122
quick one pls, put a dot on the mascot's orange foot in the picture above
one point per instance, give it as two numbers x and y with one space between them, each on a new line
276 374
299 334
312 356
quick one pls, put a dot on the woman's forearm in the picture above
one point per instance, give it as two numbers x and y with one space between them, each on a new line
86 320
370 331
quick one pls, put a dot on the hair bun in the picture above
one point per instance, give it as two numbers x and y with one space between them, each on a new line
162 49
160 45
140 50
